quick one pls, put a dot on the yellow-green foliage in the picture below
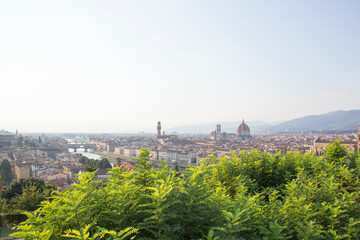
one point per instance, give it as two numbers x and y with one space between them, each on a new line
250 195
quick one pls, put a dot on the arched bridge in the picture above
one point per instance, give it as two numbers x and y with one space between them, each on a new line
86 146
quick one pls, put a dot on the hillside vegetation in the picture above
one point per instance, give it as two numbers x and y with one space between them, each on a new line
250 195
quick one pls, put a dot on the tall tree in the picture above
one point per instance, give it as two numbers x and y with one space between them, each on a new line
104 163
16 187
5 171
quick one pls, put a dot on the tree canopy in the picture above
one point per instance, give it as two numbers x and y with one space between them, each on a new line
16 187
25 194
6 172
102 164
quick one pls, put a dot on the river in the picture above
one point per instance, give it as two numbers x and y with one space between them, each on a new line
82 151
88 154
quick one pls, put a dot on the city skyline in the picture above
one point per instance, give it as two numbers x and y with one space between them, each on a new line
91 66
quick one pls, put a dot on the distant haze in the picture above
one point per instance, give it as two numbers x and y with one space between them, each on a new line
229 127
121 66
337 120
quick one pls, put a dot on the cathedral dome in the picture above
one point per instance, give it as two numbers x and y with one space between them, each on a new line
243 129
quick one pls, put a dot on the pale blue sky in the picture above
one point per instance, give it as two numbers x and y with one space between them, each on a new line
120 66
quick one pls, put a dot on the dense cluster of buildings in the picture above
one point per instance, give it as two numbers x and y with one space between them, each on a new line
184 150
49 158
351 142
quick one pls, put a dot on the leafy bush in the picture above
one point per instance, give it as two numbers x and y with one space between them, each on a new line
250 195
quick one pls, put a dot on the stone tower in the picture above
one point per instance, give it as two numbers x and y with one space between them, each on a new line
218 132
159 128
218 129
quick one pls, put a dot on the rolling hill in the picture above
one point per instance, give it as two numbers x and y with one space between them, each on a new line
337 120
3 132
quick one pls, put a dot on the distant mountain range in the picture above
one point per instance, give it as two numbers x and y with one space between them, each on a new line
3 132
337 120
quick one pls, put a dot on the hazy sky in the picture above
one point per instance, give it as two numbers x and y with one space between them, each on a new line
120 66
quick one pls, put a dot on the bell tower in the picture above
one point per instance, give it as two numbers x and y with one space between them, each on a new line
218 128
159 128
